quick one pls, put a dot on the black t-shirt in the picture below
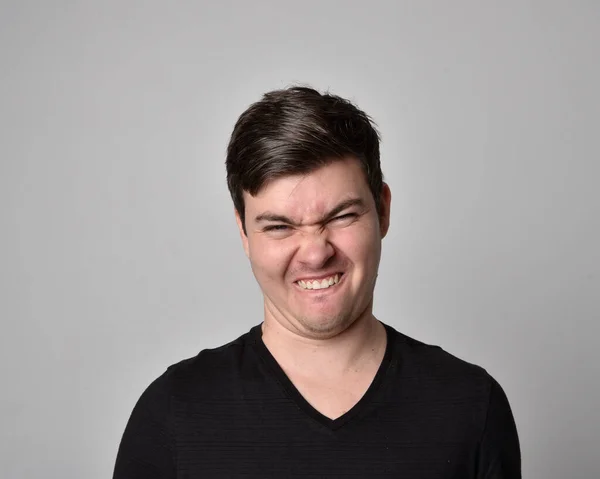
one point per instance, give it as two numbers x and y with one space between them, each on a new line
231 412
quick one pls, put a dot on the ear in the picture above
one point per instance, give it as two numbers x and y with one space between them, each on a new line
385 207
243 235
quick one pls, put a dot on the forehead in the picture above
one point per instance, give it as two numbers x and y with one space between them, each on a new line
313 193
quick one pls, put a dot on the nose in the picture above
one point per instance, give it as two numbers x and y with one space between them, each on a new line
315 250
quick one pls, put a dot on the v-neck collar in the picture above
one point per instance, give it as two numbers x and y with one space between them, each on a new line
292 392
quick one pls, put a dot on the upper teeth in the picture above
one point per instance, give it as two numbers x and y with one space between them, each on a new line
319 284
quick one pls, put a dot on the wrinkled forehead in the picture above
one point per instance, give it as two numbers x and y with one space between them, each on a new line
312 195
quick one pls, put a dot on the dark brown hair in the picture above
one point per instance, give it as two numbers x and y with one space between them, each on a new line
295 131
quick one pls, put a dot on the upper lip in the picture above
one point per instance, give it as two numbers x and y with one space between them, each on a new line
318 277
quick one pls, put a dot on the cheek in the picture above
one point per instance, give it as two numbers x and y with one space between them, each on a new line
269 259
361 244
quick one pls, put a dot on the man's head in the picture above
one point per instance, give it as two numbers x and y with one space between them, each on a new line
295 131
304 174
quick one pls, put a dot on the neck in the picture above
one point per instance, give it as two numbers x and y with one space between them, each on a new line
351 351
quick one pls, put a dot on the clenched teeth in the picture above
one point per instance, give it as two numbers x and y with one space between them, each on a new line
319 284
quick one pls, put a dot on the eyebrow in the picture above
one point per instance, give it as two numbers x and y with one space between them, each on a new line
268 216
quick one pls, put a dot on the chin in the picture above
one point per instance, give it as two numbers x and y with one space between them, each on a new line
325 327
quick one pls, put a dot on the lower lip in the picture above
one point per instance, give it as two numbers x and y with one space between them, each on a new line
324 290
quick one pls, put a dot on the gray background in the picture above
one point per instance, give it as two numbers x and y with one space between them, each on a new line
118 249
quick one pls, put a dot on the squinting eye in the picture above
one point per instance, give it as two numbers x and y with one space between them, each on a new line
276 228
345 217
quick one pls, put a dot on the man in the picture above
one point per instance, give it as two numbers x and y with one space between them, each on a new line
321 388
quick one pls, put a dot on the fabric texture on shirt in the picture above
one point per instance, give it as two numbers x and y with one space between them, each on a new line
231 412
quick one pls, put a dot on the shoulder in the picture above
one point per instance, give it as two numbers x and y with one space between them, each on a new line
436 383
210 369
438 371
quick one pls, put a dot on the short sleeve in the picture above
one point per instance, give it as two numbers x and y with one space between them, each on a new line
146 451
499 454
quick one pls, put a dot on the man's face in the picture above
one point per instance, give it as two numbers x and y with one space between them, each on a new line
314 244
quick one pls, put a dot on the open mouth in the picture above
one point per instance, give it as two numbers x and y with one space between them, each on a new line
323 283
